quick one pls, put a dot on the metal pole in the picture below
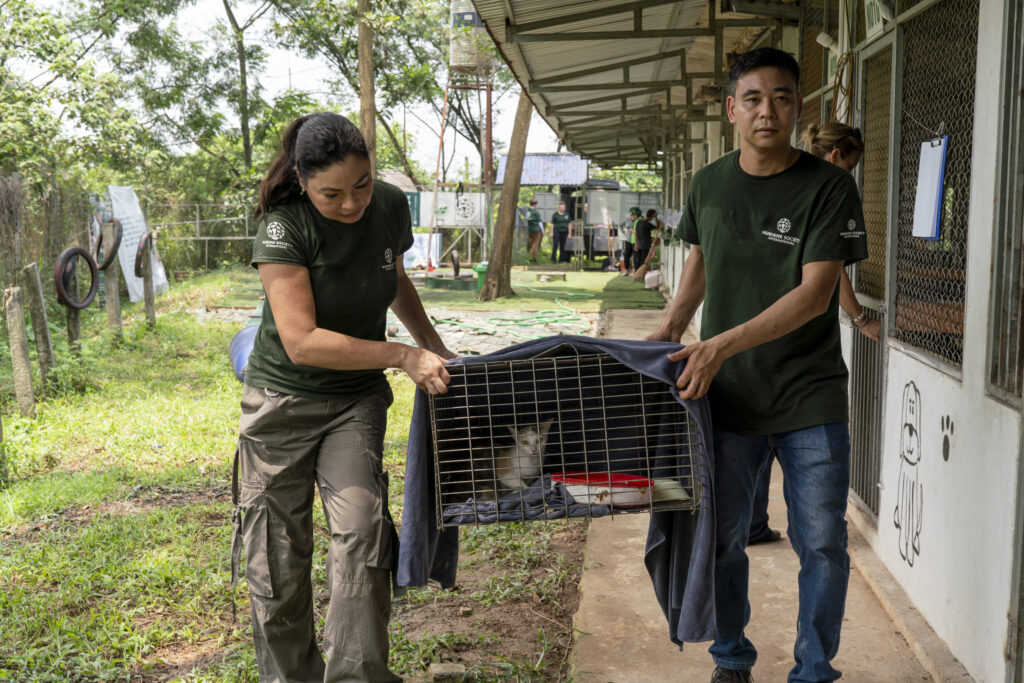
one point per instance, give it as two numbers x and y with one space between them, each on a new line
437 173
489 172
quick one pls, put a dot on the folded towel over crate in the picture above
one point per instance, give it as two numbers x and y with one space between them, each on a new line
543 499
680 549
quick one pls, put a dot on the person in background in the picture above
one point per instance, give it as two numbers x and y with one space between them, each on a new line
771 228
642 230
534 229
314 405
628 238
559 234
842 146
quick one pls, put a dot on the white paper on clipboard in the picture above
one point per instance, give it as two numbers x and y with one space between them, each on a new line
930 176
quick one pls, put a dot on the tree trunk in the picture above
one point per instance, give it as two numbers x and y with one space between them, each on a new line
367 107
498 280
243 87
401 151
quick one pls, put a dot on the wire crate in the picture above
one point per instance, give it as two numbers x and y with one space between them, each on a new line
613 441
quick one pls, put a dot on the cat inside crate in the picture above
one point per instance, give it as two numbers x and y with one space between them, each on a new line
506 469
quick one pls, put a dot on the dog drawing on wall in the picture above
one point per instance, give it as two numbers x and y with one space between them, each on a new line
909 499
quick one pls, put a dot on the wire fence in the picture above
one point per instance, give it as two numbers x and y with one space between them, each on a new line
937 98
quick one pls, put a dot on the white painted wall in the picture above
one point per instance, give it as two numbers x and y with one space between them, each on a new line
960 578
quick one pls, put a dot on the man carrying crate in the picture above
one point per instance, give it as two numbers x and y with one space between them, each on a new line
771 228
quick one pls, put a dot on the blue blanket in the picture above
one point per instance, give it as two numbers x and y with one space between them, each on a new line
680 551
543 499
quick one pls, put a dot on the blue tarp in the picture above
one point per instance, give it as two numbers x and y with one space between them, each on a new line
680 551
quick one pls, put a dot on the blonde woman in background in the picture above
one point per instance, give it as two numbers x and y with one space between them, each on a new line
843 146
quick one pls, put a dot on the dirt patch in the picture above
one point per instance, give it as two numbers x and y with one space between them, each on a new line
140 500
504 639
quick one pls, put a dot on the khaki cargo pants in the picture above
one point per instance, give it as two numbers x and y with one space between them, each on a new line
285 444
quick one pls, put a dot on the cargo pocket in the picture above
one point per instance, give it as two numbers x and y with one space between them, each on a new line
384 537
256 535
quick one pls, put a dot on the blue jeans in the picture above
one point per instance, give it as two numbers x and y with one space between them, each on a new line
816 469
759 516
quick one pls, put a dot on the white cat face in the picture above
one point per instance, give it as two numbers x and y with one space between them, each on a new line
531 439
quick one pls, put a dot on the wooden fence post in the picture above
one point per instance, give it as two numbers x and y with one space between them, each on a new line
40 325
19 350
111 285
147 286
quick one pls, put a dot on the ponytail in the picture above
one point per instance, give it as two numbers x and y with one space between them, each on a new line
821 140
310 144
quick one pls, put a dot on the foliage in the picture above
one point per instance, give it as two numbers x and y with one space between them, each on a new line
57 107
638 179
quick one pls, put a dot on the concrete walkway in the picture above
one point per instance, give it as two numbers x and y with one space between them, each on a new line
622 635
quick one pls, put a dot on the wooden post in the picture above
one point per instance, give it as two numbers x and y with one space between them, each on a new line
40 325
15 311
498 280
367 106
147 286
112 287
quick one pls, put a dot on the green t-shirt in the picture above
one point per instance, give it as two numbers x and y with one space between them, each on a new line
756 233
533 221
560 222
353 273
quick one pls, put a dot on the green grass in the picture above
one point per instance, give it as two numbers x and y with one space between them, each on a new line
584 291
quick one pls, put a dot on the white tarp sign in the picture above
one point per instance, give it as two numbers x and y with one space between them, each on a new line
417 254
125 208
453 208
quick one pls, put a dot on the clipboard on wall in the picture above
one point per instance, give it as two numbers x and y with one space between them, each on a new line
931 174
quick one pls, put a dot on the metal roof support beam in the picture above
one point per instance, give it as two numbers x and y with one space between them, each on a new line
696 32
604 86
620 112
622 8
598 100
766 8
624 65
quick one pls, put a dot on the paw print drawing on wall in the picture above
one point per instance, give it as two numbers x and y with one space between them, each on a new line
947 436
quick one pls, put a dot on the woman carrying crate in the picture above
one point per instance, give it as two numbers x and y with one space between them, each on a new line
314 406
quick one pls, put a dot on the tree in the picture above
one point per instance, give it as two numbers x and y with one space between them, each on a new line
238 32
498 281
367 106
410 58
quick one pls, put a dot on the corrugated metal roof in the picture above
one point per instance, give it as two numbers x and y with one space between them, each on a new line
574 83
548 169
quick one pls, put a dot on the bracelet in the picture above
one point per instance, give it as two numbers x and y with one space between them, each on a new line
860 320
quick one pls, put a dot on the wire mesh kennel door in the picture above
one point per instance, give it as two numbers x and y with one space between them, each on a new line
560 436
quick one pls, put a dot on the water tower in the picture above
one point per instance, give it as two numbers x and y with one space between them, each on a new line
470 50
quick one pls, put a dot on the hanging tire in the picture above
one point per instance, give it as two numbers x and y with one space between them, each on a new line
111 253
145 243
63 272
